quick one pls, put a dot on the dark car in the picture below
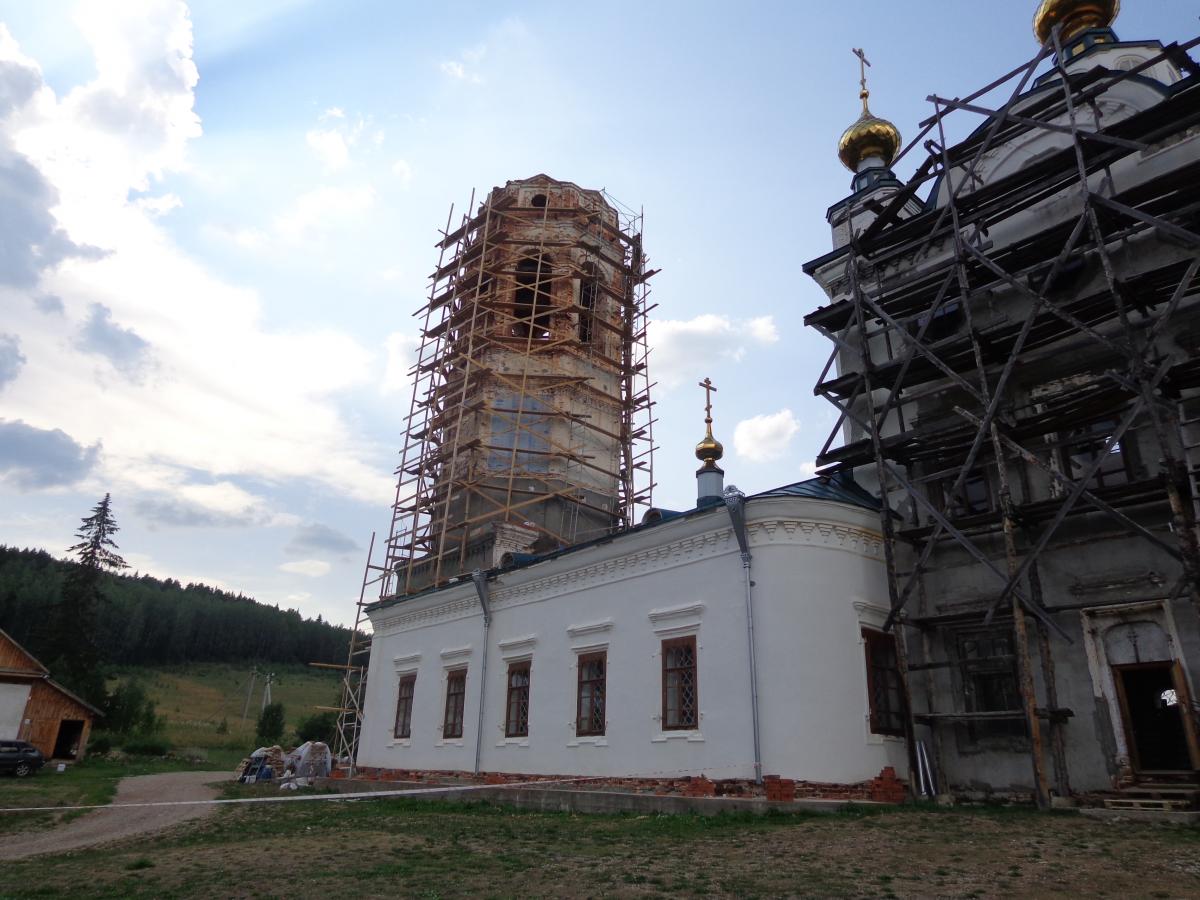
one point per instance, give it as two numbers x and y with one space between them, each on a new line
20 757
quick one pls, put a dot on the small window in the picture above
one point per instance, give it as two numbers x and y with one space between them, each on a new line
517 720
404 705
538 200
884 687
456 694
680 700
974 496
1086 444
593 671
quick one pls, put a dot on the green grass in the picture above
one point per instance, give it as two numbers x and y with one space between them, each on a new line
405 847
194 699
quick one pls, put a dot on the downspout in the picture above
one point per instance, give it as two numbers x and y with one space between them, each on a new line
735 502
481 588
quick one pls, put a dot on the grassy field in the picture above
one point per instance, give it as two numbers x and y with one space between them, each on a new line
404 848
195 699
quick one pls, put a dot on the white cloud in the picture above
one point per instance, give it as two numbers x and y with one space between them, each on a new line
160 205
763 329
228 399
453 69
683 348
401 353
322 209
765 438
808 469
403 171
330 148
309 568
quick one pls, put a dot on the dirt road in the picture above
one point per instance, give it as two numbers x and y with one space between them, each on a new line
103 826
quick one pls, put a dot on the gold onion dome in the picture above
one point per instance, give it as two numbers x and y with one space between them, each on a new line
1074 16
709 448
867 137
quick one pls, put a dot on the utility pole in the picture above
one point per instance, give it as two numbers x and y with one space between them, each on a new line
249 692
270 678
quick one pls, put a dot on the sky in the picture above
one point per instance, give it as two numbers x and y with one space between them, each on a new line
218 219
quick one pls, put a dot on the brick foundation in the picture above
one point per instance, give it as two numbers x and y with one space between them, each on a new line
885 788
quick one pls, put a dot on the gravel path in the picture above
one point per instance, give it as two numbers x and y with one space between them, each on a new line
103 826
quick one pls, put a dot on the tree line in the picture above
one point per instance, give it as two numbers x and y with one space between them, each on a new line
142 620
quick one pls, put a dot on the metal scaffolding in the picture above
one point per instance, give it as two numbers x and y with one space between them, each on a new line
927 390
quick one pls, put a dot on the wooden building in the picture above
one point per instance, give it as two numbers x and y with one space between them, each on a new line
37 709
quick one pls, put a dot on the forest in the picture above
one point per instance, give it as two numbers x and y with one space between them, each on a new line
142 620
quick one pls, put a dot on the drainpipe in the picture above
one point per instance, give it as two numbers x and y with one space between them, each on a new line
481 588
735 502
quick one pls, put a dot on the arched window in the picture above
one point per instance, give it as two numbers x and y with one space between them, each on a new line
532 299
539 200
588 290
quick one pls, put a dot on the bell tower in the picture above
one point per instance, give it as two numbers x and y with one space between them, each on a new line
530 421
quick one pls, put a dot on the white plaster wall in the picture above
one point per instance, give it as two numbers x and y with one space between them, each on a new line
812 562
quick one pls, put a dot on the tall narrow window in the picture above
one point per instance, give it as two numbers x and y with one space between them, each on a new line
587 303
680 701
531 299
517 721
404 705
456 693
884 688
988 667
593 673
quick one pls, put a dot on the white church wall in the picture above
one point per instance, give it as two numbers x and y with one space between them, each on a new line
813 562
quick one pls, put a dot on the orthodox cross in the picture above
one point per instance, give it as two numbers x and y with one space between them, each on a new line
863 62
708 392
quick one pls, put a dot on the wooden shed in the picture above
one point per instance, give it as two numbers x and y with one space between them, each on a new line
35 708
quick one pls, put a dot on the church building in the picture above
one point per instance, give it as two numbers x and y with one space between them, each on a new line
992 585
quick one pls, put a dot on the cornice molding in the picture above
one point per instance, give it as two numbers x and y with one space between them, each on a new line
774 531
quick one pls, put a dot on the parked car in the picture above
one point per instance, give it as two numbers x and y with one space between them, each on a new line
20 757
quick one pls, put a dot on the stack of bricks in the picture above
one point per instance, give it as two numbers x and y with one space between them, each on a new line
887 788
779 789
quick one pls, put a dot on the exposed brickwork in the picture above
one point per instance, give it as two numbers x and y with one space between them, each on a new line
886 788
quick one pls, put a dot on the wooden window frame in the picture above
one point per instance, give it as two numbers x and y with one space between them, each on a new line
872 641
514 725
456 701
584 719
667 646
404 706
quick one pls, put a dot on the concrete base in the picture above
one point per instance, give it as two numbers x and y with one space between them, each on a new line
1161 816
559 799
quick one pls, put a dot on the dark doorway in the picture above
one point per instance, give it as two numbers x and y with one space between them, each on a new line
70 733
1153 717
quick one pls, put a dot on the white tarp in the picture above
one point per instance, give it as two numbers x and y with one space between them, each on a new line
13 698
310 760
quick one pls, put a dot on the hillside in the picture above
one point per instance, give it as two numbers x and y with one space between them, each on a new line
152 621
195 699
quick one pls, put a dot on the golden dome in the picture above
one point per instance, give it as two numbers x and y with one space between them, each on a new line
709 449
869 136
1074 15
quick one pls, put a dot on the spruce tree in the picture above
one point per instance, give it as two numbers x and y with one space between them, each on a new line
75 652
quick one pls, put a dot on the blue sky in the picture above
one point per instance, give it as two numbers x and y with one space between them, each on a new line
226 212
